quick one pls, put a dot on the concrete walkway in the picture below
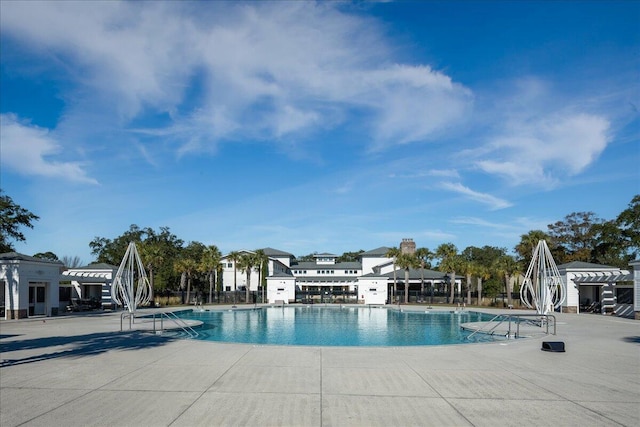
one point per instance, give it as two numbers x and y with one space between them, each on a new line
81 371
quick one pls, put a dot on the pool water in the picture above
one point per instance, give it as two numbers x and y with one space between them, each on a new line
336 326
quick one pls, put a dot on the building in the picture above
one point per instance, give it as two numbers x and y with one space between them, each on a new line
29 286
597 288
91 282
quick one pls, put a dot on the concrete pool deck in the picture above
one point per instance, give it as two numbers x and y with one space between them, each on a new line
81 370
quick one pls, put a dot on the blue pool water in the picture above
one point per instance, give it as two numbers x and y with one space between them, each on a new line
336 326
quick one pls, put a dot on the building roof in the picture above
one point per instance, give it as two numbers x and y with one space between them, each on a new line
575 265
281 274
378 252
97 266
325 254
416 274
276 253
15 256
310 265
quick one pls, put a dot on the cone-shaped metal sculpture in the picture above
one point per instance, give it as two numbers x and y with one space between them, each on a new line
131 287
543 288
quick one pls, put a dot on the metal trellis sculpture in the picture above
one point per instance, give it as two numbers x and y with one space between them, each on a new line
131 287
543 288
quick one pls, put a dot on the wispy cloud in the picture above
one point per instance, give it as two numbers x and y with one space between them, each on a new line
493 202
293 69
539 138
31 150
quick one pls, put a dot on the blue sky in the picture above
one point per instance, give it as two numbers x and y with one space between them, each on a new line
327 127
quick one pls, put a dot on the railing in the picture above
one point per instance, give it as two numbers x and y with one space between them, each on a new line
192 333
514 318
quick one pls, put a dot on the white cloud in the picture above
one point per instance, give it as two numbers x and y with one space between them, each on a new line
493 202
540 137
292 68
31 150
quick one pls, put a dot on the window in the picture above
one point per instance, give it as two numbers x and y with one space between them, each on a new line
624 295
229 265
64 293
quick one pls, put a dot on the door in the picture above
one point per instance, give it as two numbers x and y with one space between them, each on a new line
37 299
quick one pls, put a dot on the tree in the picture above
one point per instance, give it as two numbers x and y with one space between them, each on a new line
629 223
576 236
246 263
424 256
12 217
407 262
209 264
307 258
71 261
507 266
166 246
112 251
350 256
393 253
46 255
467 267
528 243
234 257
611 247
263 265
152 257
185 266
481 272
449 260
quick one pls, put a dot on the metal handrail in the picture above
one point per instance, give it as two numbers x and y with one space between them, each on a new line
175 319
510 318
122 316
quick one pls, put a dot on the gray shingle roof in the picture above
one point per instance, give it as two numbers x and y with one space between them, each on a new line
308 265
378 252
582 265
276 253
15 256
97 266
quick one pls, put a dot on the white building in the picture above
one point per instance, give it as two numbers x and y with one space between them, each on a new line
91 282
598 288
324 279
29 286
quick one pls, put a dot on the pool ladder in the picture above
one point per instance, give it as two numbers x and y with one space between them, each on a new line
169 315
543 319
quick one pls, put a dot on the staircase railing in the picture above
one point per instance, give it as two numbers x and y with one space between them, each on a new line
491 326
169 315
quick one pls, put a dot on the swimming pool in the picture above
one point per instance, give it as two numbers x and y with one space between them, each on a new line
336 326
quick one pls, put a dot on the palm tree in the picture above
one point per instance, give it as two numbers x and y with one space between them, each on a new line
424 256
507 266
467 267
246 263
407 262
209 264
152 257
481 272
448 254
186 267
528 243
234 257
261 260
393 253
